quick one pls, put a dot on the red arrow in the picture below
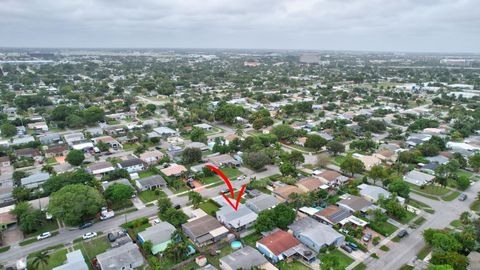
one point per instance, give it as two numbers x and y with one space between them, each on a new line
232 192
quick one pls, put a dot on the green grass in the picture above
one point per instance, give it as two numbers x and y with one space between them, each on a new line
374 255
48 226
215 260
149 195
396 239
419 221
343 260
425 195
384 248
406 219
209 206
407 267
129 146
294 265
424 252
90 249
146 174
420 205
252 239
361 266
383 228
4 249
452 196
431 189
338 160
456 223
55 259
475 206
231 173
51 160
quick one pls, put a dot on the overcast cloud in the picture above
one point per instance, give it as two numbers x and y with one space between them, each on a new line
388 25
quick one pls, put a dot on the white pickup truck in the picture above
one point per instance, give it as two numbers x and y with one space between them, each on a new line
106 214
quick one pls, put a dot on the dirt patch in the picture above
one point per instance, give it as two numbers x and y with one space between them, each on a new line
12 236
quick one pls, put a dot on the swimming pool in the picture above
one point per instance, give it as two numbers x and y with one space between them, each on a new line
236 244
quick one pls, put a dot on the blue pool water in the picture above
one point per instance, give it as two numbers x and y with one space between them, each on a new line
236 245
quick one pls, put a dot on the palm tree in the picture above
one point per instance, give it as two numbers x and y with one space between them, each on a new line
239 130
40 258
48 168
195 198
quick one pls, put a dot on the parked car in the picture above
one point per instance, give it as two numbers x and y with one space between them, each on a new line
347 248
89 235
85 225
353 246
462 197
44 235
156 221
402 233
367 237
190 185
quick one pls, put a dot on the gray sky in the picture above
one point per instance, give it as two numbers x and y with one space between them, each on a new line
388 25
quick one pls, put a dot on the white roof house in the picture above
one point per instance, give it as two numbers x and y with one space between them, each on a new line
373 193
418 178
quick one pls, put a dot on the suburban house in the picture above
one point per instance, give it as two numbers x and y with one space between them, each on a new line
354 204
199 145
160 235
75 260
418 178
223 160
204 126
123 181
34 180
175 170
368 161
56 151
71 138
151 157
132 165
314 234
373 193
29 153
262 202
204 230
237 220
150 182
110 141
165 131
386 155
283 193
280 245
332 178
310 184
126 256
49 138
244 258
38 126
100 168
332 215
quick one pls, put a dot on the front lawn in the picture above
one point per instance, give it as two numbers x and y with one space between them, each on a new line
231 173
424 252
361 266
338 160
55 259
406 219
431 189
452 196
48 226
419 221
151 195
475 206
146 173
209 206
383 228
343 260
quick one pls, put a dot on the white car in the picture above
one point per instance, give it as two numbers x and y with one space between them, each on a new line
89 235
156 221
44 235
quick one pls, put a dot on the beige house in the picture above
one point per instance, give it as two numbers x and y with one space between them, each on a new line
151 157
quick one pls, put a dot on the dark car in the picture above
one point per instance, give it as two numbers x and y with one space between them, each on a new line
347 248
190 184
402 233
85 225
353 246
177 206
462 197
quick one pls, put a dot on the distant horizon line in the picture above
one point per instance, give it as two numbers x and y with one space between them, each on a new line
238 49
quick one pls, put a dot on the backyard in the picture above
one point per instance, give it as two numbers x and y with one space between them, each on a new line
90 249
294 265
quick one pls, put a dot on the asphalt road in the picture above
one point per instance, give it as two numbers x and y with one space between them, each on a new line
67 235
407 249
